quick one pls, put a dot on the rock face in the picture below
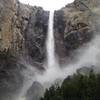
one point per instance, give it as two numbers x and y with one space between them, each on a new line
23 29
7 11
74 26
35 35
35 92
11 78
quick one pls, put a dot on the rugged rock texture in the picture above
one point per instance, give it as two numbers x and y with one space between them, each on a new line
7 11
23 29
22 33
19 24
74 26
35 35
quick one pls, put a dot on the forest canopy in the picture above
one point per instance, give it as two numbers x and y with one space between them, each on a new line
76 87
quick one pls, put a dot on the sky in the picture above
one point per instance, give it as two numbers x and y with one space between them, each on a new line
48 4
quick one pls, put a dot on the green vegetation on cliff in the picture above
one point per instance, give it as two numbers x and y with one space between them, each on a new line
76 87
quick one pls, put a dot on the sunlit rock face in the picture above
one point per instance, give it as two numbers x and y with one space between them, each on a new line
30 28
74 26
23 29
7 11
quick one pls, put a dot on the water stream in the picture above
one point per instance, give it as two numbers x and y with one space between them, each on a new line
50 43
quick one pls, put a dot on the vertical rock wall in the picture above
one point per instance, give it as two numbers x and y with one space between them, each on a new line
23 30
74 26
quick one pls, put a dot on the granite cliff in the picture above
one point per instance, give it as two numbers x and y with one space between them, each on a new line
74 26
23 29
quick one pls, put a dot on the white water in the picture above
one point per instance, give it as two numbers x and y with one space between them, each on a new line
50 43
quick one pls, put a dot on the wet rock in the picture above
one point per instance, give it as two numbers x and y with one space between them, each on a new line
35 35
59 27
35 92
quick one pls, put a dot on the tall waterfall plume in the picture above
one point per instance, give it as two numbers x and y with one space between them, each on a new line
50 43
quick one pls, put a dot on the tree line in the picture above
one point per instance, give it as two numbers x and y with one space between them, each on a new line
76 87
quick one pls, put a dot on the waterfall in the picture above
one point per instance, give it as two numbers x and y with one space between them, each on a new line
50 43
51 59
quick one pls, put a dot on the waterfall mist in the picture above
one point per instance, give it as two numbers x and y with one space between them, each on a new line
87 56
